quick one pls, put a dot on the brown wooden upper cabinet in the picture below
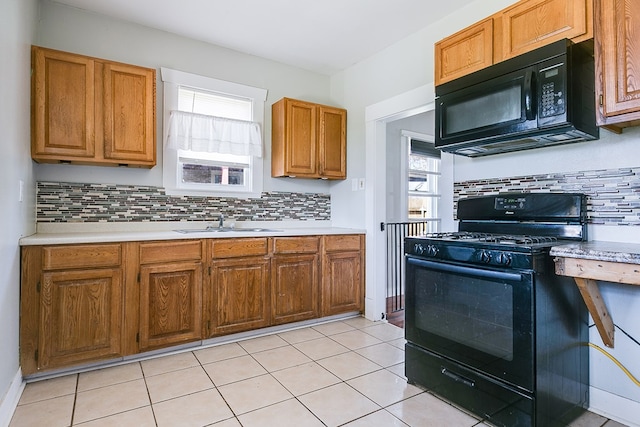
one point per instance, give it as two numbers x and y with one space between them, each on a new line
617 62
464 52
92 111
522 27
308 140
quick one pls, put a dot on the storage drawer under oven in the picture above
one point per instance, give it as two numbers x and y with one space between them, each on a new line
496 402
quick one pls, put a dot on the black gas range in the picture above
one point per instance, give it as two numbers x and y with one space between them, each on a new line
488 324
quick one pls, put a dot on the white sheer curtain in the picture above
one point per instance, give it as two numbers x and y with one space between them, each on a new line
210 134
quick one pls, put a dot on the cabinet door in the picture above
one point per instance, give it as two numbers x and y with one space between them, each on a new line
80 316
302 138
63 118
240 297
170 304
531 24
464 52
618 62
332 147
129 114
341 282
294 284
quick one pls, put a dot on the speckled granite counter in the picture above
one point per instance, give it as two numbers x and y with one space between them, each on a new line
589 262
600 251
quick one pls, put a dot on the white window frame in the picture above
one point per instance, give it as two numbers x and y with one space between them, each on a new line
404 170
172 80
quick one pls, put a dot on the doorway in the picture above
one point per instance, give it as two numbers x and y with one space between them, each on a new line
380 120
413 166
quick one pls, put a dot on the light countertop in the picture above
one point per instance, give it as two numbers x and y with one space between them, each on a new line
51 234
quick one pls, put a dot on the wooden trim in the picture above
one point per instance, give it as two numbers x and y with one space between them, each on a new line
592 298
30 307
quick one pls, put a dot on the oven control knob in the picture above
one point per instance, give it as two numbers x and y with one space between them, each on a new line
432 250
503 259
485 256
418 249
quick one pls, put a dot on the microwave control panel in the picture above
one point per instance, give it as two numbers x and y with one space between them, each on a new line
552 91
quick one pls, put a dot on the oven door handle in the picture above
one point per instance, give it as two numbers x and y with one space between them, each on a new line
460 269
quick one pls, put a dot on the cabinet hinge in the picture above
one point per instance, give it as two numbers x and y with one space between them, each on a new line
601 100
38 286
138 337
138 277
209 326
35 355
209 271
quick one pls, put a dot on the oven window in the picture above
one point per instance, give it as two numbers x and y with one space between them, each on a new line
472 311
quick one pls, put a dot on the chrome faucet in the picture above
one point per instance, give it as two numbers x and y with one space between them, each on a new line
220 224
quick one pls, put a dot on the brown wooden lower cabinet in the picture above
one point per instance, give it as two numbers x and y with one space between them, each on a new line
294 279
342 274
170 296
170 304
240 295
239 287
93 302
70 316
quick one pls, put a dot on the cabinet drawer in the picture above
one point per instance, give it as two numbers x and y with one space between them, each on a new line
289 245
80 256
234 248
170 251
342 242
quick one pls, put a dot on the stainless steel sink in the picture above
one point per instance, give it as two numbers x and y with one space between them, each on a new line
226 229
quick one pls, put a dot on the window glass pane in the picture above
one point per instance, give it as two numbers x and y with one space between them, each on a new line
213 104
423 207
423 183
197 169
423 163
210 174
423 186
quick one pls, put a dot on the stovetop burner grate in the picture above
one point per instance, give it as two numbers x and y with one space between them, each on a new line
518 240
506 239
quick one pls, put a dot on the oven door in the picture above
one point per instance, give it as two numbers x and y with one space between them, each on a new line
480 317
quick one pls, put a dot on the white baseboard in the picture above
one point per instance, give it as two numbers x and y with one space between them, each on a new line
615 407
11 398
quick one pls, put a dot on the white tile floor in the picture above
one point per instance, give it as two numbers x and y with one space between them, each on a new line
348 372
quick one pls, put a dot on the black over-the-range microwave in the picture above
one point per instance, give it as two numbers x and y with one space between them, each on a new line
540 98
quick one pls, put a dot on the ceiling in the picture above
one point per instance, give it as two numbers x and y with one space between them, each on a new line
324 36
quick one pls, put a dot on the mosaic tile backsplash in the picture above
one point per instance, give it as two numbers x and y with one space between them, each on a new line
60 202
613 195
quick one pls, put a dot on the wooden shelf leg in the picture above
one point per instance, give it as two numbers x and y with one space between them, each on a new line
592 298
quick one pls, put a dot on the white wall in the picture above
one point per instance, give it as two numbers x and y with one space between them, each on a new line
17 31
408 65
70 29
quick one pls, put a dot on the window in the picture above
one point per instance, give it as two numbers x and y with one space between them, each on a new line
423 183
204 167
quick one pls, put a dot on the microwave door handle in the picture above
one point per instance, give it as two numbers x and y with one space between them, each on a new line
529 102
